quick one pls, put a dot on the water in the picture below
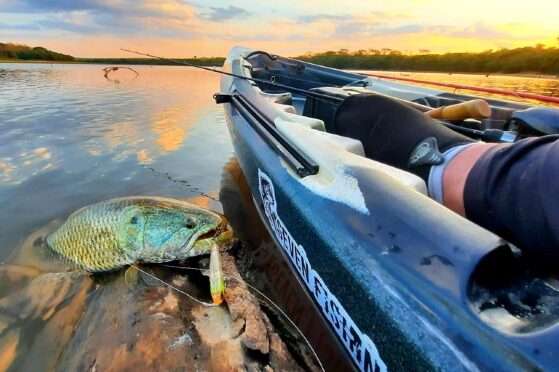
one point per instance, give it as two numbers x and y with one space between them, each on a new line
70 137
544 85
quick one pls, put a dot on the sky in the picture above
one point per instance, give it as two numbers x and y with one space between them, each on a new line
187 28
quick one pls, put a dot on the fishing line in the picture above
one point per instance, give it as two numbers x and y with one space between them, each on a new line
304 92
494 136
207 304
269 300
183 183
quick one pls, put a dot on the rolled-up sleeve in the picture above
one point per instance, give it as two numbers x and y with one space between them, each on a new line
513 190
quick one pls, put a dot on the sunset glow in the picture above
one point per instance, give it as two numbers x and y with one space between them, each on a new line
99 28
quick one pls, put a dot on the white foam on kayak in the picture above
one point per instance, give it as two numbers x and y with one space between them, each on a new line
335 156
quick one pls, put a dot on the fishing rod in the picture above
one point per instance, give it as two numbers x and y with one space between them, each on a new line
493 135
304 92
505 92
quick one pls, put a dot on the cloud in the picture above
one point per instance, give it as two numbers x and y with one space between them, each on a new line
224 14
39 6
480 30
364 29
153 17
65 26
323 17
211 27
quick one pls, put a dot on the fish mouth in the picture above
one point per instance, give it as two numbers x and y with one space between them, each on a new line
218 234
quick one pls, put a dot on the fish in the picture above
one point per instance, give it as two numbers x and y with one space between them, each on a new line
115 233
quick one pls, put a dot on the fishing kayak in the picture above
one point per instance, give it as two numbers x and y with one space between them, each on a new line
402 282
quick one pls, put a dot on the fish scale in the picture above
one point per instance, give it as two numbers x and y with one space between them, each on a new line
119 232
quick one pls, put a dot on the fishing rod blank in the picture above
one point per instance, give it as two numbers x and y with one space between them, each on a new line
495 135
256 80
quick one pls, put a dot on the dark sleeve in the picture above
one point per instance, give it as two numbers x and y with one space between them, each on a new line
513 190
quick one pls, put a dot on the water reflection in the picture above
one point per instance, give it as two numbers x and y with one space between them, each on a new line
548 86
70 137
167 125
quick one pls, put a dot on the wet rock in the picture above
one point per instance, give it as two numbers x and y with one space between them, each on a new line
15 277
34 253
43 296
245 308
131 328
49 343
78 322
48 308
8 348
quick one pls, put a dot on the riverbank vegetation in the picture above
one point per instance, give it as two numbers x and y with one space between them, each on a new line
23 52
537 59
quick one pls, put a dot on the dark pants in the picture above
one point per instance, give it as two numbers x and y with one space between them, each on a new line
513 190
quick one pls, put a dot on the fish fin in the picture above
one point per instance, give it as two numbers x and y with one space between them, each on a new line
131 276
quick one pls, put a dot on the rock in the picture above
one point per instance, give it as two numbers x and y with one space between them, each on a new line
8 348
258 332
50 342
129 328
47 308
78 322
15 277
43 296
243 306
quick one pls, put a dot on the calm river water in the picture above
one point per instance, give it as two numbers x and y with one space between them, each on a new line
70 137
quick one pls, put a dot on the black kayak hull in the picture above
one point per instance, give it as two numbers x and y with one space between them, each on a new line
392 282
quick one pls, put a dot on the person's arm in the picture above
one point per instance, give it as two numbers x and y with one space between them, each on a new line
510 189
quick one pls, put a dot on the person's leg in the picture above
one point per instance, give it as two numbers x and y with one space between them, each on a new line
394 133
510 189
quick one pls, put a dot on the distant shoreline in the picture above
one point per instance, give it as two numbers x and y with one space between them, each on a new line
206 61
141 62
531 75
536 61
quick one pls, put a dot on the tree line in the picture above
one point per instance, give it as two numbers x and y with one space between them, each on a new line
26 53
536 59
23 52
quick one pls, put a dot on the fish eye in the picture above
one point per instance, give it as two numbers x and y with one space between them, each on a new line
134 220
190 223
